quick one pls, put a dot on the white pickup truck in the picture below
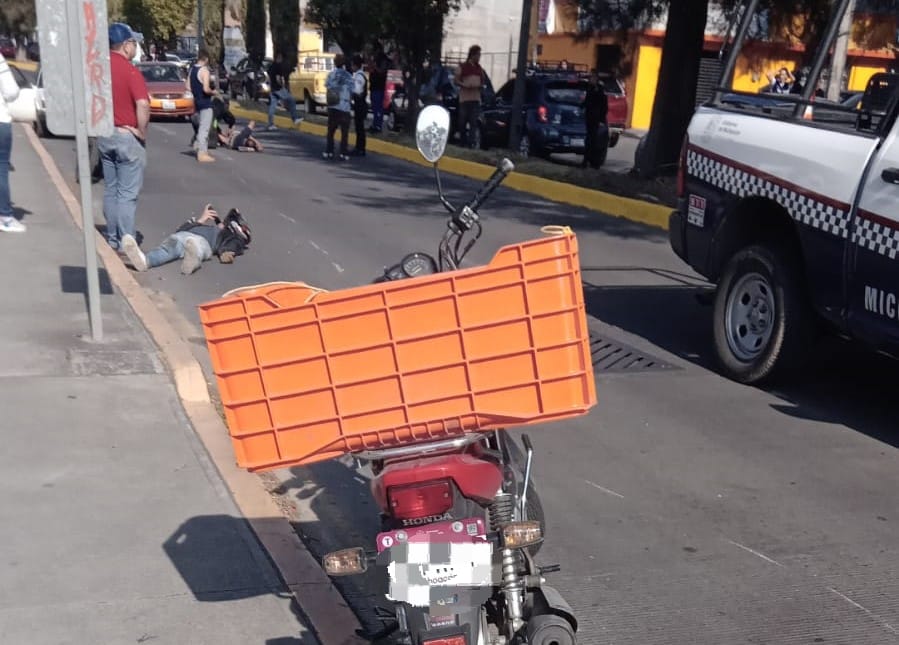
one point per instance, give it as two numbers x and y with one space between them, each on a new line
796 218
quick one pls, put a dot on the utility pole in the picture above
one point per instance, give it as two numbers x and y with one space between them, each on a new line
521 73
199 25
840 49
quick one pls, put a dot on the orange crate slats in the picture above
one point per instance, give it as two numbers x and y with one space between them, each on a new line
304 379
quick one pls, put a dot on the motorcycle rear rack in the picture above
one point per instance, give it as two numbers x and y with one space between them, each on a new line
419 449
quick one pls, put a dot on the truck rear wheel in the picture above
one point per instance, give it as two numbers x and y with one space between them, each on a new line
762 321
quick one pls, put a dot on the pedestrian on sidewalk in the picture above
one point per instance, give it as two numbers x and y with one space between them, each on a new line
198 82
9 91
340 88
596 110
378 78
360 107
123 153
279 76
195 241
470 77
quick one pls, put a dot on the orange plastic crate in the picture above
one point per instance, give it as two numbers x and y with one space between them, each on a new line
306 375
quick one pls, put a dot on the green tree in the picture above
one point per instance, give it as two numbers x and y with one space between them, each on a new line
254 29
17 17
415 27
349 23
284 22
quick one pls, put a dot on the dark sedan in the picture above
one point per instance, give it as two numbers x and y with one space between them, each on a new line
250 79
553 116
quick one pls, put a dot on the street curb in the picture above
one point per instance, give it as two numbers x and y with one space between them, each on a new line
27 65
634 210
327 614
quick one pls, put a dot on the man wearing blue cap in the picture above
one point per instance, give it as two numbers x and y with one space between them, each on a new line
123 153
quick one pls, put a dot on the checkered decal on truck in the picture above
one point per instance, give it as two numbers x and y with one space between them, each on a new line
741 182
876 236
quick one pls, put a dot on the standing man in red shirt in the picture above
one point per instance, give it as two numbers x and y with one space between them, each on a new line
123 153
470 79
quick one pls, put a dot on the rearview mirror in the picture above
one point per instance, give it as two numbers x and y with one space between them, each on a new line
432 132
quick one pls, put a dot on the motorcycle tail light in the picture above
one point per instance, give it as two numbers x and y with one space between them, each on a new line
450 640
517 535
420 500
543 114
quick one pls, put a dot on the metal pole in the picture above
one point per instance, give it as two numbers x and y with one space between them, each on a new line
79 99
518 95
731 63
199 25
840 8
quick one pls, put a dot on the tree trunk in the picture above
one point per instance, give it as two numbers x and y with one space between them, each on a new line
255 29
675 99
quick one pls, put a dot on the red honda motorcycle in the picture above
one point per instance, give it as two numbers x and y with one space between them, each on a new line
460 518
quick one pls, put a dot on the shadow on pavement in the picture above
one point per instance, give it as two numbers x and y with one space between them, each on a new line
330 488
843 382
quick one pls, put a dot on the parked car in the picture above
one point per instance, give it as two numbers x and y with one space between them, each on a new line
7 48
553 115
617 116
40 123
250 79
307 82
168 94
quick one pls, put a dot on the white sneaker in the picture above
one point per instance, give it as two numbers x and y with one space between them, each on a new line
298 120
191 260
272 127
11 225
134 254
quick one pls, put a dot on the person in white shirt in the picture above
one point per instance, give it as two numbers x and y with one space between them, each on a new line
360 107
9 91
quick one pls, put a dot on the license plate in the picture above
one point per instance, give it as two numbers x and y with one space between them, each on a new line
168 105
436 556
577 142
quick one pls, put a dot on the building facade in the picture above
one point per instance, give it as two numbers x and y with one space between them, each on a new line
635 56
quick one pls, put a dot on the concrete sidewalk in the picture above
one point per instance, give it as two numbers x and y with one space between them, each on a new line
115 526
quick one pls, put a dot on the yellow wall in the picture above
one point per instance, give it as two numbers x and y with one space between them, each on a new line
859 76
581 53
649 59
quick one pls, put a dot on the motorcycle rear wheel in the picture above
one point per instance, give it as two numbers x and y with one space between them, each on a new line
549 629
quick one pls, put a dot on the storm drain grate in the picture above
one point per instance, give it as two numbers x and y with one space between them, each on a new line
612 356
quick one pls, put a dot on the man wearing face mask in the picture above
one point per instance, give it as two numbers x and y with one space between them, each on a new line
123 153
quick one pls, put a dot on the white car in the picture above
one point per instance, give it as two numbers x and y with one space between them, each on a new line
24 108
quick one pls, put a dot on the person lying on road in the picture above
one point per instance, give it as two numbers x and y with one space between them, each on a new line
241 139
195 241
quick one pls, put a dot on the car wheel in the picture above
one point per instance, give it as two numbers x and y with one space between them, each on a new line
762 319
309 105
390 120
40 127
613 140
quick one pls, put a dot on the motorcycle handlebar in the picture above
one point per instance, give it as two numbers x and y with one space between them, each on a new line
502 170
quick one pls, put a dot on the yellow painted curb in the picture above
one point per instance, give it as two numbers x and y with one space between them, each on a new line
595 200
27 65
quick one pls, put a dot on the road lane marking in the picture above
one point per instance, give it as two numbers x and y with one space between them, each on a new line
608 491
755 553
317 247
871 614
287 217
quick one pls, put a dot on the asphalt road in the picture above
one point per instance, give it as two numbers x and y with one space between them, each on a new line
684 508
